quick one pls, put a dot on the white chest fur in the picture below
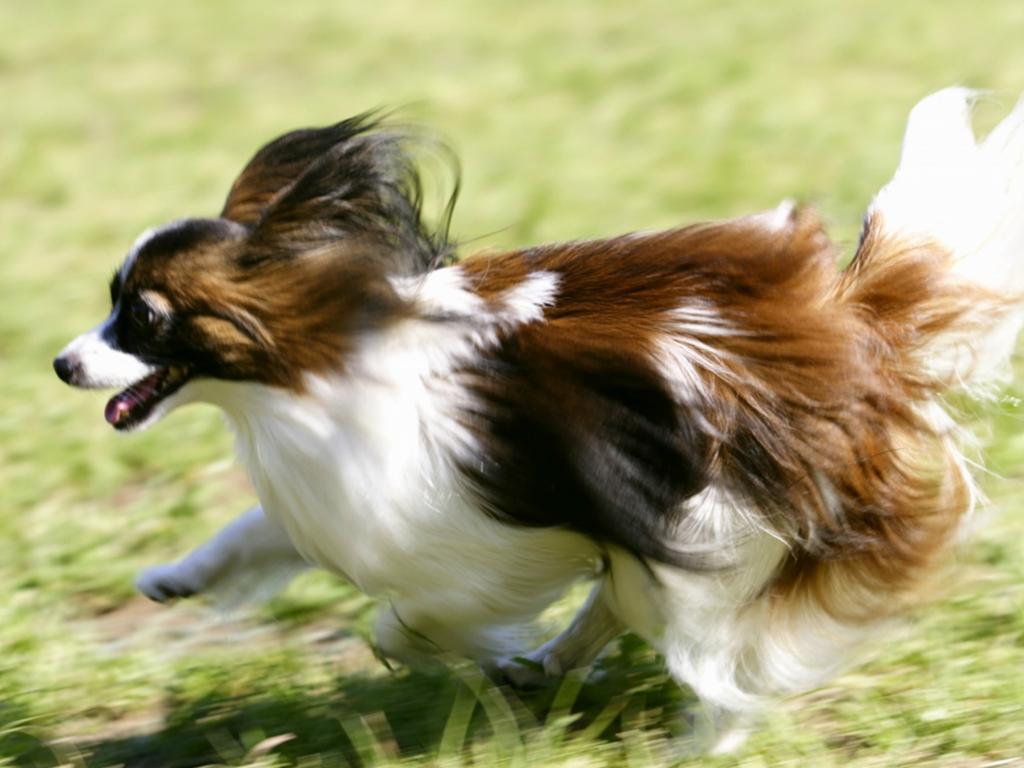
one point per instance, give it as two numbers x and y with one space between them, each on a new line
361 472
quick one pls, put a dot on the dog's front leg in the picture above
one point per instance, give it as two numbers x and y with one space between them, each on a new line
251 558
594 626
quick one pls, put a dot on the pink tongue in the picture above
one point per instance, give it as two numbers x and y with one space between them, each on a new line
120 406
117 408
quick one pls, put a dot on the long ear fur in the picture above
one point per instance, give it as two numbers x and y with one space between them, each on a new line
313 188
280 162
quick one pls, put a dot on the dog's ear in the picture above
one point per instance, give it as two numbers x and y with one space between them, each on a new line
278 165
349 185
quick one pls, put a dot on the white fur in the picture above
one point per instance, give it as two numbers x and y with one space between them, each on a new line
699 618
441 291
688 357
686 354
139 244
446 293
525 302
778 219
969 197
247 560
101 363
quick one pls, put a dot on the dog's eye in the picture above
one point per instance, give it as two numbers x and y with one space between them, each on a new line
143 316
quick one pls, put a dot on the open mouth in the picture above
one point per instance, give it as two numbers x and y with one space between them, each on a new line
131 406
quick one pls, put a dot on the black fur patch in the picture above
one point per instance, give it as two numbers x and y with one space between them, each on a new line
183 235
589 439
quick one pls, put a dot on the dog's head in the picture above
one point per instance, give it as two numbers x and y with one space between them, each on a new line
299 263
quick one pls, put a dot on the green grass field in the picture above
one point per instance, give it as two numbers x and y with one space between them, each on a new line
572 119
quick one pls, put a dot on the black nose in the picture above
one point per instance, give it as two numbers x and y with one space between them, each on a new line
65 367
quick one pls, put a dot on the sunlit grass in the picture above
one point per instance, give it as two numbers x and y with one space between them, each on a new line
572 119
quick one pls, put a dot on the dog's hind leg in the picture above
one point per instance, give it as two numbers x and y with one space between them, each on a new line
594 626
417 631
249 559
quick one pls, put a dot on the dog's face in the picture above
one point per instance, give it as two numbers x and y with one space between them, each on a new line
281 285
175 315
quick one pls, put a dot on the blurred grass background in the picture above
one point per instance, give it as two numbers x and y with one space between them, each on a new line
573 119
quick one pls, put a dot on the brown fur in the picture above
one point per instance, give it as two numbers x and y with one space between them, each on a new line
273 321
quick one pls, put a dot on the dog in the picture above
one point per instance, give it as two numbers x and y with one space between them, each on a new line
746 449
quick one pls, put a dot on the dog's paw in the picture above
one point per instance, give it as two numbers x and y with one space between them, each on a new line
532 671
163 583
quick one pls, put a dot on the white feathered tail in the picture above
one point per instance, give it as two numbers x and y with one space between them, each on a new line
968 197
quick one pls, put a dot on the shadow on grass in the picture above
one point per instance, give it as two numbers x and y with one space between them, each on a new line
363 720
20 738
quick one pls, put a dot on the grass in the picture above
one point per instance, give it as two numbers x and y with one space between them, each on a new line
573 119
